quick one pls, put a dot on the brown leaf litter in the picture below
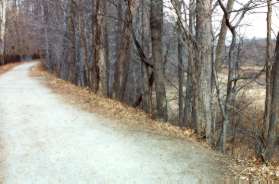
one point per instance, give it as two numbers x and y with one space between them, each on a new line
126 116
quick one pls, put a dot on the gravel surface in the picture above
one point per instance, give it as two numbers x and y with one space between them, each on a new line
46 141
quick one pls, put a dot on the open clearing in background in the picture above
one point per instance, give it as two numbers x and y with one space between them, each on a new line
249 112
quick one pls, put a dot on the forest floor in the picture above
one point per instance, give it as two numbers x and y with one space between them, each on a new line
54 132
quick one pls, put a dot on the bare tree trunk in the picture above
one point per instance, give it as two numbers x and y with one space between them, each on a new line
107 51
147 72
95 43
222 37
274 106
123 58
156 23
204 74
3 5
46 37
180 67
232 79
189 112
68 69
231 91
180 82
85 49
268 64
100 50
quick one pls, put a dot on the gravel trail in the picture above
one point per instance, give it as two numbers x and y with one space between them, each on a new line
45 141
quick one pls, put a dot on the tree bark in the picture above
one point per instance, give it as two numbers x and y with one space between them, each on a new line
189 112
222 37
147 71
180 67
204 66
100 50
123 58
2 30
268 64
274 106
156 26
68 69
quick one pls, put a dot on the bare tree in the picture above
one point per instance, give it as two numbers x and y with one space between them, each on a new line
124 53
3 4
100 49
204 68
228 106
156 23
274 107
268 63
219 53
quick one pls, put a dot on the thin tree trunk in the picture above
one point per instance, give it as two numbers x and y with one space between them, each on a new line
268 68
3 30
222 37
231 82
46 37
180 82
180 68
84 46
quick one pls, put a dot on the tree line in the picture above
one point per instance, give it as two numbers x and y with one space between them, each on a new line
164 57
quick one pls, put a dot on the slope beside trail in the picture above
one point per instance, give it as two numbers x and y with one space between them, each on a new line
45 141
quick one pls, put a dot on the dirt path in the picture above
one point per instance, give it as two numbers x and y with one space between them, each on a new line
47 141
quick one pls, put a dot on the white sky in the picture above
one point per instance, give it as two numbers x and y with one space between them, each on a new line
254 23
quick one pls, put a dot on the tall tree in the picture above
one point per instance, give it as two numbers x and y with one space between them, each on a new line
69 64
156 26
228 106
123 56
3 4
180 66
219 53
189 111
100 49
204 62
273 130
268 64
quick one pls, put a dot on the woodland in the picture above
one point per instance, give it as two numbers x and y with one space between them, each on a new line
186 62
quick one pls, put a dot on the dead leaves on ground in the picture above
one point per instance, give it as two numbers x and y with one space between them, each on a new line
127 116
109 108
5 68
